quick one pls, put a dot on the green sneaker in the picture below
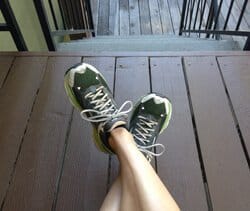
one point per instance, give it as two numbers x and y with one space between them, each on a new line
149 118
88 92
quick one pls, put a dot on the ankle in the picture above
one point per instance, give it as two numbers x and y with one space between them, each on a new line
120 136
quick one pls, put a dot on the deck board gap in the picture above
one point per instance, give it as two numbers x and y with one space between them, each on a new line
151 89
209 200
171 18
236 122
54 203
109 182
160 17
202 166
5 78
24 133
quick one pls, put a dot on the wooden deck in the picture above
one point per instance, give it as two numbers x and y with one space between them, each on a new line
49 162
136 17
143 17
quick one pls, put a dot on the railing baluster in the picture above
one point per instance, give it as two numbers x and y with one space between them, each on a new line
183 13
44 24
12 26
89 12
62 13
241 15
191 14
53 14
215 11
193 10
185 25
247 44
196 14
210 18
202 13
228 14
216 20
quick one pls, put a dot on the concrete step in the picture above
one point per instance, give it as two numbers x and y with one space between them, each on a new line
147 43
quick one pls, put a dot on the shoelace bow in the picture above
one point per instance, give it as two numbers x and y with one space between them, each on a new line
144 130
104 110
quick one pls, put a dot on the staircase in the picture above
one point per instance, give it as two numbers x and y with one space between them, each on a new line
147 43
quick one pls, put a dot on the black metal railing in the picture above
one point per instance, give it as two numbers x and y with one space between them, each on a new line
75 17
11 25
211 17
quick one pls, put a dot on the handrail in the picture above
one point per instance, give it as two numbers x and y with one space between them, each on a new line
191 8
76 19
11 25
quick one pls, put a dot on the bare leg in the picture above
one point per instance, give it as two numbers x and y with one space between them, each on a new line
141 188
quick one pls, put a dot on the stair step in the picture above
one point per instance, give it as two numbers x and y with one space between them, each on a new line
147 43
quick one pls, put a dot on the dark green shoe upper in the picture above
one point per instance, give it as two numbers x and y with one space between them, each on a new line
149 118
89 92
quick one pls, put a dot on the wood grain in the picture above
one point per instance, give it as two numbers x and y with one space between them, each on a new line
17 97
225 164
5 64
124 17
103 18
136 70
145 17
179 167
165 17
235 71
175 15
134 18
85 172
155 17
114 17
37 169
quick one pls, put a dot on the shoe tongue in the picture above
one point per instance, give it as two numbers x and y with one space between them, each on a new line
149 107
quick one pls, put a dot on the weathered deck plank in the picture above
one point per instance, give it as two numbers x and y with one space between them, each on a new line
5 64
155 17
103 18
181 157
235 71
167 27
38 167
124 17
17 97
136 69
31 155
114 17
175 15
134 18
85 168
224 161
145 17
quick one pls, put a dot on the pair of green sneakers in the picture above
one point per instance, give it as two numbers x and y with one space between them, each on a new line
88 91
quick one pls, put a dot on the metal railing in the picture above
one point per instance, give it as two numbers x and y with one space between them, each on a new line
76 18
205 17
11 25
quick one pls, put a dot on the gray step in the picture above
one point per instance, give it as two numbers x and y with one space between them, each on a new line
147 43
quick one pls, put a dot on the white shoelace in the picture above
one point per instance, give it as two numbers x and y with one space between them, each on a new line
143 134
103 109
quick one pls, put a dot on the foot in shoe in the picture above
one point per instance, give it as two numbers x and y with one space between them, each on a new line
150 116
88 92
